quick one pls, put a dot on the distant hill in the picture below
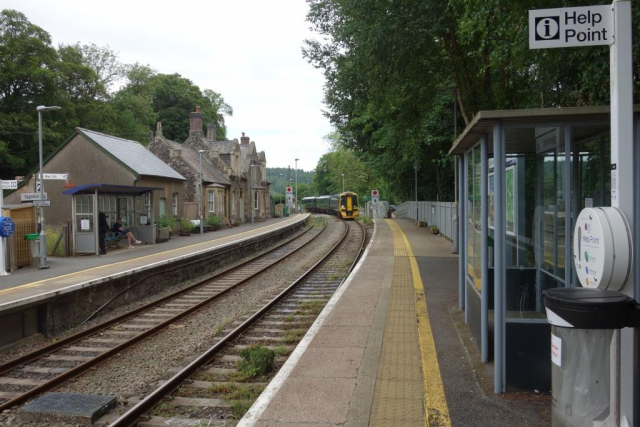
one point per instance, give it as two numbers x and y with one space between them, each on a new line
279 183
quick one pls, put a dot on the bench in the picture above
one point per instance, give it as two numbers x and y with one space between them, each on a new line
114 238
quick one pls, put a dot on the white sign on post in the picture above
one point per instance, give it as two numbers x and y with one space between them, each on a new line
571 27
9 185
56 176
30 197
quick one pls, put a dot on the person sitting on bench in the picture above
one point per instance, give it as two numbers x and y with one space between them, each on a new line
118 228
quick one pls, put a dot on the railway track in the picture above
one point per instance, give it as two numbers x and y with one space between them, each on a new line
214 389
49 367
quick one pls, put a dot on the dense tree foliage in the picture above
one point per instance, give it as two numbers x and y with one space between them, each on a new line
82 80
279 178
392 70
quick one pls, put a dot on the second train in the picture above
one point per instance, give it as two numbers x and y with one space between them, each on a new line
344 205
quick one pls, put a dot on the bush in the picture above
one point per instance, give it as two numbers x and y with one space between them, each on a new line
166 221
213 220
53 233
237 222
257 360
435 229
186 225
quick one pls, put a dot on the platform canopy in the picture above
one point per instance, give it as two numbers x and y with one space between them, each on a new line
109 189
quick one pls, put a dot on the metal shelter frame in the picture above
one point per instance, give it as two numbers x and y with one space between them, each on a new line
88 242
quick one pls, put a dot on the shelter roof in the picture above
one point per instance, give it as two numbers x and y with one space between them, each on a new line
482 123
132 154
112 189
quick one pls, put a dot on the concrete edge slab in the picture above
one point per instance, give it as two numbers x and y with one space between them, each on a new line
262 402
92 282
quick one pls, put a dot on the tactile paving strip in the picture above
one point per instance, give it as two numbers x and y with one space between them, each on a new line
398 398
90 406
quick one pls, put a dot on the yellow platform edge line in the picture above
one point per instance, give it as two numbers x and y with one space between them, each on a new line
436 408
100 267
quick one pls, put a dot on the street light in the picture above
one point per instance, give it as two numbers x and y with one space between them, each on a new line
43 237
343 183
282 191
252 201
201 190
297 184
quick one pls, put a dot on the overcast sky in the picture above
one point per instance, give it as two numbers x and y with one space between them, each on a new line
247 50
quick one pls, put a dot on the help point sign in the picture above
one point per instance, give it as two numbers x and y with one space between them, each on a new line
571 27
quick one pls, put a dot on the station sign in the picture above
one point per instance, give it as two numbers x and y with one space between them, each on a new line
289 190
7 227
30 197
11 184
571 27
55 176
42 203
375 193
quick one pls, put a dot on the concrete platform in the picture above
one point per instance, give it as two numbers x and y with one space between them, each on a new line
389 349
31 287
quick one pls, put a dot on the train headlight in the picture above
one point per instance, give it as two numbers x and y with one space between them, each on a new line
341 206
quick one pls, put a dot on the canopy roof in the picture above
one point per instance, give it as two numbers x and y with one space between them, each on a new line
110 189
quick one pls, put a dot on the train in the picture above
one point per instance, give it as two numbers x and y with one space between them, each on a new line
344 205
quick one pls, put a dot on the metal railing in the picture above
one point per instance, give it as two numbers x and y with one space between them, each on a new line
439 214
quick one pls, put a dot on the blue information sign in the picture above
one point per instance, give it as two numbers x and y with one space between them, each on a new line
7 226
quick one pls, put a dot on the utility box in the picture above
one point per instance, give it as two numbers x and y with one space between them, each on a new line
584 324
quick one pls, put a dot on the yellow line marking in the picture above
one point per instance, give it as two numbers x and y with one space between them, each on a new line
435 404
44 281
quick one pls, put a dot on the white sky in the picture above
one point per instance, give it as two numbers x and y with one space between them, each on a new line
247 50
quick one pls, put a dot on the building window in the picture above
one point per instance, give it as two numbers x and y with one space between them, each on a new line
174 203
255 200
163 206
211 201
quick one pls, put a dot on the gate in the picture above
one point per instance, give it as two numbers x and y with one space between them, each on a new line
23 253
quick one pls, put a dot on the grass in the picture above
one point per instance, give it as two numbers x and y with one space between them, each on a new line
319 222
233 391
289 318
294 335
282 350
240 408
366 220
335 276
313 307
257 360
53 233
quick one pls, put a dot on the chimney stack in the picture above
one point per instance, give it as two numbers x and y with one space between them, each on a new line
211 132
159 129
195 123
244 140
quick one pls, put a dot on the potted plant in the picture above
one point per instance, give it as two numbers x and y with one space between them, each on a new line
237 222
213 223
163 230
186 227
435 229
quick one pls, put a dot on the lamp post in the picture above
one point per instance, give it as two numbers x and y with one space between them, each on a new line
282 191
415 167
201 190
43 237
297 184
343 183
252 201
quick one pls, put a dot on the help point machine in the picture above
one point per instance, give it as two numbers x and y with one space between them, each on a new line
586 322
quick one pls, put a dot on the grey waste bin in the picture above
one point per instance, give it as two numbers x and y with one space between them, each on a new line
583 321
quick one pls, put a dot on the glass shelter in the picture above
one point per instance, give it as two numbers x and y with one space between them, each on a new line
132 204
525 175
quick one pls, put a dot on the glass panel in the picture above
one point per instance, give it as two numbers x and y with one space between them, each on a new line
162 206
84 214
469 214
477 246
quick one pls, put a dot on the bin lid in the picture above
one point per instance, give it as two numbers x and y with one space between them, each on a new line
590 308
34 236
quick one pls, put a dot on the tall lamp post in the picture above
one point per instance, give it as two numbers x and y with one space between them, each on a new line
343 183
281 191
297 184
253 203
201 191
43 236
415 167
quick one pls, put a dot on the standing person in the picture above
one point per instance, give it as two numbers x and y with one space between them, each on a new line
118 228
103 227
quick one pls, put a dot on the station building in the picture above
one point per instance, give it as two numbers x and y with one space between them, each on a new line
525 176
113 175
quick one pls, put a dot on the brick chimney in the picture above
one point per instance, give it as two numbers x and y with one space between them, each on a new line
159 129
211 132
244 140
195 123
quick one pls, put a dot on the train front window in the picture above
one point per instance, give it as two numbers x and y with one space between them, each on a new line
348 202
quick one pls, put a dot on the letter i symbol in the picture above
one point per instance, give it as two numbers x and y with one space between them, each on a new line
546 28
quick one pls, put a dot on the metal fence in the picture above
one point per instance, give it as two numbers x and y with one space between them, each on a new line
439 214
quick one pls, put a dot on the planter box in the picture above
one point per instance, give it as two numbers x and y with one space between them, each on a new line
163 235
436 231
213 227
422 224
185 233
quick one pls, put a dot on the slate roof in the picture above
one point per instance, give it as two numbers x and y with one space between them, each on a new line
209 172
132 154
